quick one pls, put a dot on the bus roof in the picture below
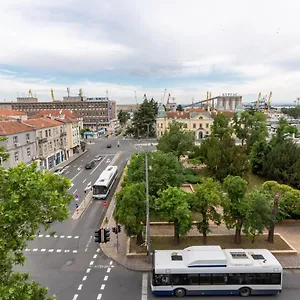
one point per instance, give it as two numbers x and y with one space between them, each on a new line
213 257
106 175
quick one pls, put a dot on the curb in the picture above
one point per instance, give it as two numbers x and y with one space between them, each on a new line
83 206
68 161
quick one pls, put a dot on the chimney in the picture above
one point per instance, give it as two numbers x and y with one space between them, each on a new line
19 120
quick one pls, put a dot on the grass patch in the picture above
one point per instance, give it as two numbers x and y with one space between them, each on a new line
225 241
255 180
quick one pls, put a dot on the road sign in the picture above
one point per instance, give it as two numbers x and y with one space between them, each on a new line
76 205
76 197
105 203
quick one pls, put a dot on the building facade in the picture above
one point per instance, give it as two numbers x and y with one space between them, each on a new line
51 141
95 114
13 114
20 142
197 120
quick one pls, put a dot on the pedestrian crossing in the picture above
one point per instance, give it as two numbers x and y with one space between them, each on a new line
56 236
51 250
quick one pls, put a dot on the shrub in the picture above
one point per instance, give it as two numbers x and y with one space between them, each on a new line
192 179
189 171
195 161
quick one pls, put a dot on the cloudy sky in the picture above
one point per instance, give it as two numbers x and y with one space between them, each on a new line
187 47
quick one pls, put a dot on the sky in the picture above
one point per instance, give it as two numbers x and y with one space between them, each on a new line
121 46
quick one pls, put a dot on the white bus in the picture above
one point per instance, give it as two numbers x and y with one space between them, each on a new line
211 270
104 183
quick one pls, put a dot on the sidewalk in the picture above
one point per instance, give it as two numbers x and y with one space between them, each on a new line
71 159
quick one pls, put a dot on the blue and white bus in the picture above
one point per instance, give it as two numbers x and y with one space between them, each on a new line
104 183
211 270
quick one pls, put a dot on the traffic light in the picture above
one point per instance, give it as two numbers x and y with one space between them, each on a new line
114 229
98 236
118 228
106 235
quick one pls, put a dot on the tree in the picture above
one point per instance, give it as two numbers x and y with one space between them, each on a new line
28 198
4 155
283 131
235 204
173 207
258 155
179 107
123 117
176 140
144 118
131 209
220 127
164 170
258 213
242 125
208 196
293 112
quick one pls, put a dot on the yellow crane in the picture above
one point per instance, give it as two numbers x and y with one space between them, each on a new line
52 94
30 94
258 99
80 92
269 100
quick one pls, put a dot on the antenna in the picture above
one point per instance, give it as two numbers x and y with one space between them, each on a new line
106 94
68 91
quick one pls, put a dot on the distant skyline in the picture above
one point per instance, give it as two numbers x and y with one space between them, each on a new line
122 46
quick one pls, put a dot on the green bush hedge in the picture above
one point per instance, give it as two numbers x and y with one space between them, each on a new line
189 171
192 179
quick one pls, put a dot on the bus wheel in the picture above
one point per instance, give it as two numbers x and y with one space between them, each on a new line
245 292
180 293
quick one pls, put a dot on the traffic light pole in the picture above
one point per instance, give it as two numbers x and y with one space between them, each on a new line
117 237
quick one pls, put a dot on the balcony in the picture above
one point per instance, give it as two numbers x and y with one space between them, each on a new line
42 140
63 134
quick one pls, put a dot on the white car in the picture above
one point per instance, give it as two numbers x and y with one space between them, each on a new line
98 157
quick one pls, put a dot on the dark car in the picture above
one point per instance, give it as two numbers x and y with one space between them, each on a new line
108 146
90 165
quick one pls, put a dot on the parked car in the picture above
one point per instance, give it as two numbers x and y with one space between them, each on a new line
59 171
108 146
90 164
98 157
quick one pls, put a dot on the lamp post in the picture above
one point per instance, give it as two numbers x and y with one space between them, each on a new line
147 198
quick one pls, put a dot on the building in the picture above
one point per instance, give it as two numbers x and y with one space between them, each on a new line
51 141
131 108
228 102
73 123
96 114
20 142
13 114
197 120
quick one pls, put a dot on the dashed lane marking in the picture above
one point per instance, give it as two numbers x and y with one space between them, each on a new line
108 270
50 250
84 181
105 278
88 270
102 287
99 296
75 297
57 236
144 286
91 263
79 287
95 256
84 278
111 262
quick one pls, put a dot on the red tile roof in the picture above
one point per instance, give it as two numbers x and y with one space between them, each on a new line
43 123
178 115
195 109
11 112
55 113
7 118
226 113
13 127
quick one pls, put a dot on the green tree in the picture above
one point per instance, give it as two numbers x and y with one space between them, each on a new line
164 170
221 127
143 119
293 112
172 205
283 131
235 204
258 155
28 198
242 125
176 140
123 117
3 153
258 213
208 197
131 209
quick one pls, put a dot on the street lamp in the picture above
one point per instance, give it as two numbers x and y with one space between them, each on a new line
147 197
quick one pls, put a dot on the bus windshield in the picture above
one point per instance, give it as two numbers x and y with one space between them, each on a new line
100 190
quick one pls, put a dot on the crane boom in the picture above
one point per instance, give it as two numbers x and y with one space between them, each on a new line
52 94
163 99
269 100
258 99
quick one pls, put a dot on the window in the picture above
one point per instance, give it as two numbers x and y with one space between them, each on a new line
50 146
28 152
27 136
49 132
16 156
194 125
200 125
179 279
40 134
219 279
161 125
176 257
15 139
184 125
207 125
46 132
205 279
193 279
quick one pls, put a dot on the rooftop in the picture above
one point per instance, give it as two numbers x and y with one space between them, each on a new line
55 113
13 127
43 123
11 112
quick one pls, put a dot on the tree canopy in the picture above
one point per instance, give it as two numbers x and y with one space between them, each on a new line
28 198
176 140
123 117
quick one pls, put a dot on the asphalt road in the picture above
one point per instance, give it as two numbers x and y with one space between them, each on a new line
70 264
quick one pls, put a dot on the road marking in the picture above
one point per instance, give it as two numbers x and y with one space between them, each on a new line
111 262
82 160
84 278
69 237
79 287
91 263
35 249
67 172
95 256
84 181
76 237
74 251
102 287
98 250
79 168
48 235
27 249
74 191
98 165
99 296
62 236
66 251
72 184
76 175
88 270
105 278
41 235
58 250
43 250
88 243
75 297
50 250
108 270
144 286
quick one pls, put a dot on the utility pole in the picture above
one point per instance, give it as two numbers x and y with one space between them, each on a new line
147 198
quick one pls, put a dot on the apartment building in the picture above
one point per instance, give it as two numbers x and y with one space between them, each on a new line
12 114
96 114
20 142
197 120
73 123
51 141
